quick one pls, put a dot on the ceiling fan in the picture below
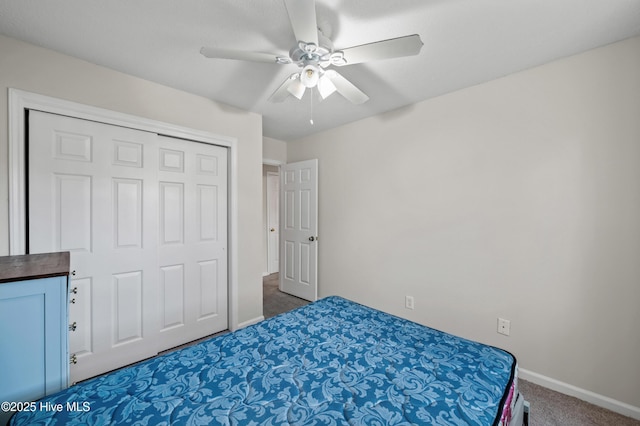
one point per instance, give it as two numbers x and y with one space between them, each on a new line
314 53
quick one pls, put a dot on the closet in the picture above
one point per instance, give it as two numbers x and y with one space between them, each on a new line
144 217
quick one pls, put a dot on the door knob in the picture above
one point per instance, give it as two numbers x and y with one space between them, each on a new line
273 229
312 238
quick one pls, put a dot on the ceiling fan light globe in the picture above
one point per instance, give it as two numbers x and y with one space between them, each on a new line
310 75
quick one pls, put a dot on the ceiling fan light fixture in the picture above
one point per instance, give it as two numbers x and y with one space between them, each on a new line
313 53
310 75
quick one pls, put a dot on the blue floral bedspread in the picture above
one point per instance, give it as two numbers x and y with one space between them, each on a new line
328 363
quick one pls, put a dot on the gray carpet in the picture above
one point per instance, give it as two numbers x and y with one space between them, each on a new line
274 301
548 408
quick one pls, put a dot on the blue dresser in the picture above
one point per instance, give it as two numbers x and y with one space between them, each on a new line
34 354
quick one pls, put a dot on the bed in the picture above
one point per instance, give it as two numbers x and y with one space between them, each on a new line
328 363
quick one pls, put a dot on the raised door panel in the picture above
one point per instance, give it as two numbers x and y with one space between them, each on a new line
127 213
72 212
172 296
127 307
171 213
208 286
207 212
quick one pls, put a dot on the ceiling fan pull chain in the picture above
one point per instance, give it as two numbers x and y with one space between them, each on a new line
311 108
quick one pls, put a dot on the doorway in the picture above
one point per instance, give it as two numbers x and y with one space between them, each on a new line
271 218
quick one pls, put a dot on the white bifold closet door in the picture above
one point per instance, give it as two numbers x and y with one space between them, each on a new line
145 219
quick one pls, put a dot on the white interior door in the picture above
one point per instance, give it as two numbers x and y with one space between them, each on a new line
108 195
299 229
192 246
90 195
273 222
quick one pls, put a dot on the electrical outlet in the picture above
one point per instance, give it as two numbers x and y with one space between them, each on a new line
504 326
408 302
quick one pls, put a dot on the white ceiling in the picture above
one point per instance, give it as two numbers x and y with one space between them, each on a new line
466 42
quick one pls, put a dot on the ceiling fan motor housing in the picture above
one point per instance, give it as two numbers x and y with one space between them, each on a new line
308 53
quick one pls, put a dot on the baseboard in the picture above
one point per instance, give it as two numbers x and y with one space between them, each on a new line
583 394
250 322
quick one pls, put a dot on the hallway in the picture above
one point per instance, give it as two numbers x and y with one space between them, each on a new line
274 301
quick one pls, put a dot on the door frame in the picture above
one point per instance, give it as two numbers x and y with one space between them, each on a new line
278 164
270 253
20 101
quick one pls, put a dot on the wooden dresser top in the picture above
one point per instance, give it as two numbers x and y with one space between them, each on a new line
33 266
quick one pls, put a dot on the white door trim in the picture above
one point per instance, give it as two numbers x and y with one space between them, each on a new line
270 250
272 162
20 101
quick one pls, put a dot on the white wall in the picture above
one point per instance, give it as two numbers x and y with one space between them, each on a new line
27 67
274 151
518 198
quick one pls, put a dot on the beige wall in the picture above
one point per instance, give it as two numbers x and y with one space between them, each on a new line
27 67
518 198
274 151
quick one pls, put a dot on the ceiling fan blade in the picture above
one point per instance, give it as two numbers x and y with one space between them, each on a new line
213 52
302 14
296 88
326 86
346 88
384 49
282 92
